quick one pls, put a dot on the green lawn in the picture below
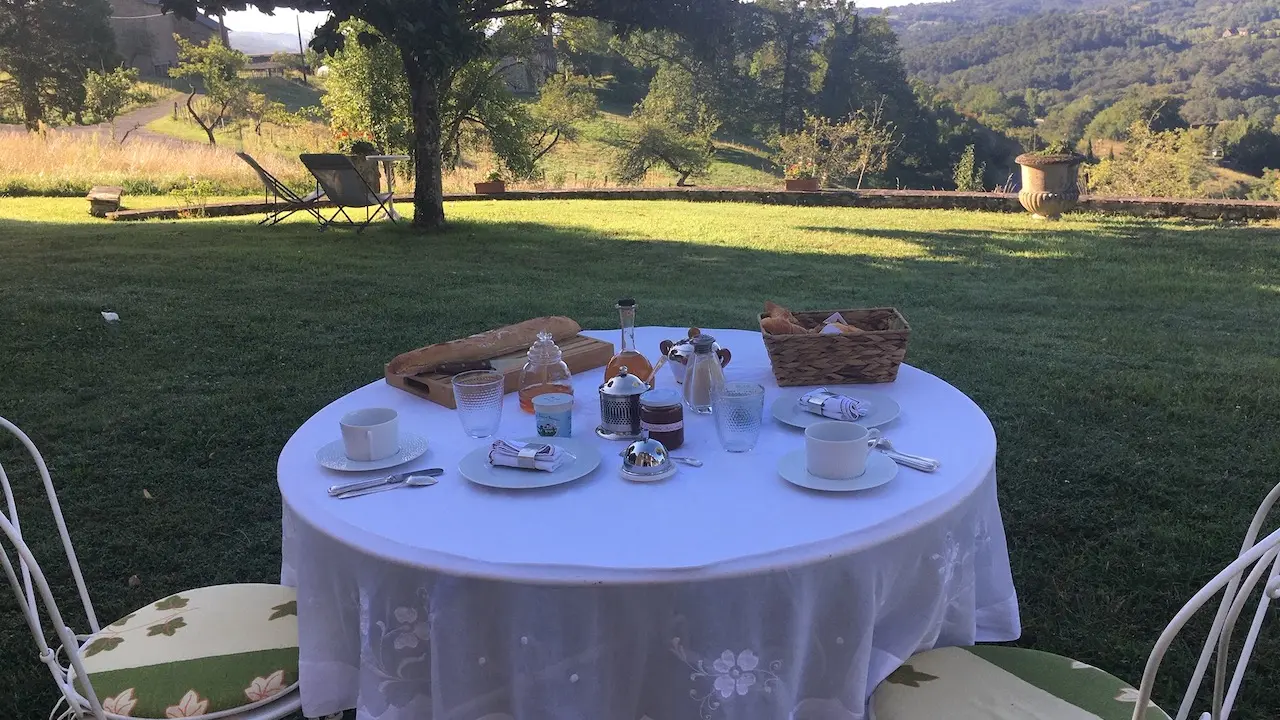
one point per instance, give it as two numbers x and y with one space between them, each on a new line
294 95
1129 367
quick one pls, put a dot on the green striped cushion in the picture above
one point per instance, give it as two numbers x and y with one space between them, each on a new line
990 682
199 652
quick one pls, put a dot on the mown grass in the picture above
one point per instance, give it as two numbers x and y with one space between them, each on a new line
1128 367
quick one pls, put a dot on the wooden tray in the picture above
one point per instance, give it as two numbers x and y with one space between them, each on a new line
580 353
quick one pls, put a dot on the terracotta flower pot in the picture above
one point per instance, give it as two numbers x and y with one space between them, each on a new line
802 184
1049 183
491 187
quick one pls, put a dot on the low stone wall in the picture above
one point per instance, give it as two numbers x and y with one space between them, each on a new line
910 199
903 199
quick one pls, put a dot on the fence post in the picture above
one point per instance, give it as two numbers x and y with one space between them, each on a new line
175 109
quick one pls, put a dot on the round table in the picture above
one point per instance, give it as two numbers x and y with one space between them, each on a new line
724 592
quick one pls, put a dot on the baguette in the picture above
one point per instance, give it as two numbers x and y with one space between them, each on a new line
482 346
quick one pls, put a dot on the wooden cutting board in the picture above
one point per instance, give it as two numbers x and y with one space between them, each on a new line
581 353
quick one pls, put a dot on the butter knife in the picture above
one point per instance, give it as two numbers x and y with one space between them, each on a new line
336 490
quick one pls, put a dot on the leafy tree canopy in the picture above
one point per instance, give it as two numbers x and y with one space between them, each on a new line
47 47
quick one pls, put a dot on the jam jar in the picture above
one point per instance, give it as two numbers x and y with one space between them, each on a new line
662 416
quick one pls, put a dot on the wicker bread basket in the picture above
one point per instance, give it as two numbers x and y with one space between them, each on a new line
871 356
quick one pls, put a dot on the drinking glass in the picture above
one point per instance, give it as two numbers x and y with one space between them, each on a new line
738 409
479 397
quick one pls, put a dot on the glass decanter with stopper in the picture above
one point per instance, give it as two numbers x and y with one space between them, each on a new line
545 372
628 356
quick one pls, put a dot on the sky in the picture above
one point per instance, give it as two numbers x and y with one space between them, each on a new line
283 20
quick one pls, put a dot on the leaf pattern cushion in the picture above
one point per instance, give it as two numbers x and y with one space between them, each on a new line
212 650
990 682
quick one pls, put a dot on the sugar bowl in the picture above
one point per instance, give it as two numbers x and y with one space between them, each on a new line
620 406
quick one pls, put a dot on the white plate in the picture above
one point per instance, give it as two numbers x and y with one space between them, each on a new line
648 478
476 468
880 470
334 455
787 410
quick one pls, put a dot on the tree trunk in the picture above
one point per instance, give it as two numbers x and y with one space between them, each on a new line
32 112
428 190
208 129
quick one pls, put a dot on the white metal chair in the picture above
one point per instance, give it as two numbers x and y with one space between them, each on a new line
206 653
994 682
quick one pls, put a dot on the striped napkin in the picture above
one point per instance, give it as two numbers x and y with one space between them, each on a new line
837 407
529 456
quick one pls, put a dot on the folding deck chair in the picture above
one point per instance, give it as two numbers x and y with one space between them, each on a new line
347 188
282 201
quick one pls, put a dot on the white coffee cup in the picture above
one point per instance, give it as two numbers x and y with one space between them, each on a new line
371 434
838 450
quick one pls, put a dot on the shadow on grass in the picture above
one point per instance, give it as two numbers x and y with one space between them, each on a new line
1129 369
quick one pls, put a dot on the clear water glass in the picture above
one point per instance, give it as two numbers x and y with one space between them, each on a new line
479 396
738 409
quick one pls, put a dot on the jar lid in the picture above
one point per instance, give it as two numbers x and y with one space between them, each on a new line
553 401
703 343
661 398
624 384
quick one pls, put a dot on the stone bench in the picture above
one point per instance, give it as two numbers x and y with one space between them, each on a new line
104 199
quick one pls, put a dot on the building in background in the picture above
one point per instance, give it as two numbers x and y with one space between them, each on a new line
144 35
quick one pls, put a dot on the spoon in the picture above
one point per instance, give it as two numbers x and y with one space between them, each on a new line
917 462
414 480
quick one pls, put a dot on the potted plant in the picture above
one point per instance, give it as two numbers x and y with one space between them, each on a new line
492 184
1050 183
802 176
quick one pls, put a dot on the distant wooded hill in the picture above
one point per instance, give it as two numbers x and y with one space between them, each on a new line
1221 56
264 43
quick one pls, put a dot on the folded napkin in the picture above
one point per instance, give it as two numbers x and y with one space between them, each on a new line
512 453
829 326
837 407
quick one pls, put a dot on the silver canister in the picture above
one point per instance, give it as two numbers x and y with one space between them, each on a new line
620 406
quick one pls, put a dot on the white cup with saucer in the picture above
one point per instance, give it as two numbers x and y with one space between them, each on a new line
838 450
371 434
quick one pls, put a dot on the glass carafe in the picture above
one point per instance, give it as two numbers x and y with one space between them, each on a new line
703 376
628 356
545 372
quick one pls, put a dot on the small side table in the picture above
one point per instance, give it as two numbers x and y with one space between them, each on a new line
387 161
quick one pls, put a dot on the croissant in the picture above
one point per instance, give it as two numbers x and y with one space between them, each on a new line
781 326
775 310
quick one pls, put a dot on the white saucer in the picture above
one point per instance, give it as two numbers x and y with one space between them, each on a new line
648 478
884 409
880 470
334 455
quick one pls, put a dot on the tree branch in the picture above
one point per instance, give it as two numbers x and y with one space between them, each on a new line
546 149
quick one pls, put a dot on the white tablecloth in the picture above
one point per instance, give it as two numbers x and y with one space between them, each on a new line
722 593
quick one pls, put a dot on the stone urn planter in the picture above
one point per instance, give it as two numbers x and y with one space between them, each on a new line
1049 183
802 184
491 187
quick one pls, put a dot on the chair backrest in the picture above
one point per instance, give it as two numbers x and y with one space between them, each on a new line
30 580
1258 562
269 181
342 182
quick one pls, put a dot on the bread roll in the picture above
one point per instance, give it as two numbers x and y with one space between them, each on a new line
483 346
